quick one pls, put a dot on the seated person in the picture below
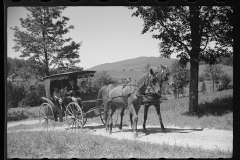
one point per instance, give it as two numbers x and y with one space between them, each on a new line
70 94
57 97
83 87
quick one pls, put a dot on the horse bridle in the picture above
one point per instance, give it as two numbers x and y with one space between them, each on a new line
151 89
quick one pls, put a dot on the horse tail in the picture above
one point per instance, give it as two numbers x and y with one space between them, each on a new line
100 96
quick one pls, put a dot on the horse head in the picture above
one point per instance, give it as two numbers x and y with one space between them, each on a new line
157 78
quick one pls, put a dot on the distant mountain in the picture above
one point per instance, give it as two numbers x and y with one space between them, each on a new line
136 64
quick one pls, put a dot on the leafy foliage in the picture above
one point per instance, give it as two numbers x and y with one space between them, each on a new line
173 24
15 93
225 81
42 42
213 72
187 31
102 78
180 75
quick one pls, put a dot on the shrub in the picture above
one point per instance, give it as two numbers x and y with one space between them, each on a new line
33 93
15 93
181 77
225 81
213 72
15 114
102 78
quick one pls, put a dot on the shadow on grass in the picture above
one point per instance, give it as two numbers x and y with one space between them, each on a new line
216 107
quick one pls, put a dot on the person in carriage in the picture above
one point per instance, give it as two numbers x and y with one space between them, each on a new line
70 93
57 97
83 87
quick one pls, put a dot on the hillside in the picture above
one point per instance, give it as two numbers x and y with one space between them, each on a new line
133 64
133 67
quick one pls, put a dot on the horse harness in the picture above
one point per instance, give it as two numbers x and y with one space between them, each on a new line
137 93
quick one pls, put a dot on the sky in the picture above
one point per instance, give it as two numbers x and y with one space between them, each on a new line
108 34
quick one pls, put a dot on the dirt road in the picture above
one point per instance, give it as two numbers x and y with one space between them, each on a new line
192 137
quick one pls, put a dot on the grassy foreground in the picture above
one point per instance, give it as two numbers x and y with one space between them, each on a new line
82 145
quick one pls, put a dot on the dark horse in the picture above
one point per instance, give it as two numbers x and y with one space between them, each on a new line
163 77
123 96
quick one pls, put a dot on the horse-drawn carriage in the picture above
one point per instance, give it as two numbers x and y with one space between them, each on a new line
74 113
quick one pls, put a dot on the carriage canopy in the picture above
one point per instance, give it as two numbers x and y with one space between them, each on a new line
61 79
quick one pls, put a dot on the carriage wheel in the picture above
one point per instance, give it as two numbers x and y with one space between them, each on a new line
74 116
102 115
46 117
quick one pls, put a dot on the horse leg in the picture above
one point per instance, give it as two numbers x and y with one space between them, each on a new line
146 107
157 106
131 121
122 114
135 119
106 110
112 110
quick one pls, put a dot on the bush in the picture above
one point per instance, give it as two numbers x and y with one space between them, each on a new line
102 78
225 80
33 96
15 93
15 114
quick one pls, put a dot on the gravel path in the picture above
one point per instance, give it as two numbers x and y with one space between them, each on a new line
174 135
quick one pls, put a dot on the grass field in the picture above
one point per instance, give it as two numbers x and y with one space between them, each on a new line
81 145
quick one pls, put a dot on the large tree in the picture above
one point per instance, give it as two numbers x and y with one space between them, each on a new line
42 41
188 31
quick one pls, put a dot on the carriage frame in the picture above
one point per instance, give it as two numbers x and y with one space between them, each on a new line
72 113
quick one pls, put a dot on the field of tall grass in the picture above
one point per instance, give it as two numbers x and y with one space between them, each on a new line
26 144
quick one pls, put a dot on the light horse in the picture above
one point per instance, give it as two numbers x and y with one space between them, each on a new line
123 96
162 77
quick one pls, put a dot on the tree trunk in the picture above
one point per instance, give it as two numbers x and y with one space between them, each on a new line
194 54
193 89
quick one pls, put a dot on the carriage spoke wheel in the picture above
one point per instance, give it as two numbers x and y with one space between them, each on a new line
74 116
102 115
46 117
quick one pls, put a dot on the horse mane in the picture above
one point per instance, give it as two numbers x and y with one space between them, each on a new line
142 81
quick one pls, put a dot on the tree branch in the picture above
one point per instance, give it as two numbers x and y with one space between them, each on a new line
203 22
175 37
